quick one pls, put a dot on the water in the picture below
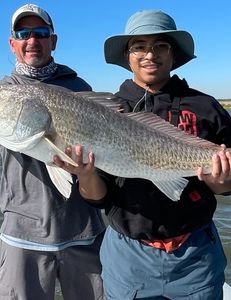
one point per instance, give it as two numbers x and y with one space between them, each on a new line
223 222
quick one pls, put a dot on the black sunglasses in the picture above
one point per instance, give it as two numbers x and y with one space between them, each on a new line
38 32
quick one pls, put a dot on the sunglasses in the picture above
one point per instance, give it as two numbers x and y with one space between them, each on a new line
38 32
141 49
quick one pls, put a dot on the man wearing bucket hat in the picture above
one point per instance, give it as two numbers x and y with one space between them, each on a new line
155 248
43 236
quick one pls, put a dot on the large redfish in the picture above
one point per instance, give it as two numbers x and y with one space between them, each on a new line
40 121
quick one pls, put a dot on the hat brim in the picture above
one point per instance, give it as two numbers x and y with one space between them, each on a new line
115 48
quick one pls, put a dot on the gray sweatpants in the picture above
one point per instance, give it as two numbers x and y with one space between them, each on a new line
28 274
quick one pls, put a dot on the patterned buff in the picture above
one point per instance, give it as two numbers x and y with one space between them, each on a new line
39 73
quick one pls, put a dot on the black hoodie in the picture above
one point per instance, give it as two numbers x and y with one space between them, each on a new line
139 209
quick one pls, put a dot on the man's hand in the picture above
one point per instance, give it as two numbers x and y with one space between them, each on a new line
91 186
83 169
219 180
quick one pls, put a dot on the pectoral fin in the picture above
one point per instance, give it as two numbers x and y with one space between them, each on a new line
14 144
61 179
45 151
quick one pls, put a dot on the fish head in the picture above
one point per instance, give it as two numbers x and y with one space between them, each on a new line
23 115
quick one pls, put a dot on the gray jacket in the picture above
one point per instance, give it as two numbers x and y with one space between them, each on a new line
33 208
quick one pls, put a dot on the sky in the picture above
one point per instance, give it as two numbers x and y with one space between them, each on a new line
83 26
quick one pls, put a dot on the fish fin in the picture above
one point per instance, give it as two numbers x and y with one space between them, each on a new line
60 153
103 98
45 151
61 179
172 189
21 145
154 122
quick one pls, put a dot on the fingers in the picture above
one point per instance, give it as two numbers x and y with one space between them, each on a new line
91 159
223 146
224 166
68 151
228 158
58 162
200 174
216 166
77 155
221 168
79 158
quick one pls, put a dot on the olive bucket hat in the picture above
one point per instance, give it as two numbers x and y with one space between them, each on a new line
149 22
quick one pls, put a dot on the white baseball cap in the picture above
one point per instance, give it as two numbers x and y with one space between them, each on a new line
30 10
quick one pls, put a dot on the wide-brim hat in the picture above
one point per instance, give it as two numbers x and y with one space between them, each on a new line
149 22
31 10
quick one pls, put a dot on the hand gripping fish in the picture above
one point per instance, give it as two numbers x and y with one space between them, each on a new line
41 121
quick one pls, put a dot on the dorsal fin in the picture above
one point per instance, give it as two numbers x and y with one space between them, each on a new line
103 98
160 125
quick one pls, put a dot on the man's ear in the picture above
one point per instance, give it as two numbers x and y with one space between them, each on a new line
11 42
54 39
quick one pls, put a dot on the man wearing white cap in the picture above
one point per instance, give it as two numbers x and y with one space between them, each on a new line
155 248
43 235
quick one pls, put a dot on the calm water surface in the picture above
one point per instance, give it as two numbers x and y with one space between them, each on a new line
223 222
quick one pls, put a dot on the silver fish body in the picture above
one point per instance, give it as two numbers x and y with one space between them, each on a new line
40 121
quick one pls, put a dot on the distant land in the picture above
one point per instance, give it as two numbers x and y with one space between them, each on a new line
226 103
